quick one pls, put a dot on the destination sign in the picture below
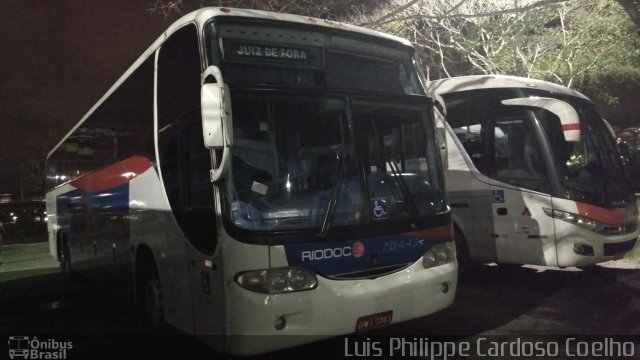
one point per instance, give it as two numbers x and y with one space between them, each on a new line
236 50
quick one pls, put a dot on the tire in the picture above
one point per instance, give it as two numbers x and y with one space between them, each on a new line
151 297
66 265
510 266
462 253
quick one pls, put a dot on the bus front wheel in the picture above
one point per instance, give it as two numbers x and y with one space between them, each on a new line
65 261
462 253
149 292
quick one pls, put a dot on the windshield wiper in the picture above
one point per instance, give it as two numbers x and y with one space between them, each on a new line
403 188
333 198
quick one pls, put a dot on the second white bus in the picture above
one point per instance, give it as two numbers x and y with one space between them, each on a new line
533 173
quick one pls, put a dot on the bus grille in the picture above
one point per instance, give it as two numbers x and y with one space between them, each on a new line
370 273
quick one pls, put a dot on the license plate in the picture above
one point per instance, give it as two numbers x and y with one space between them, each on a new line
374 321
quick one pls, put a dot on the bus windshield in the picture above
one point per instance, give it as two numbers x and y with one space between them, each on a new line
590 170
302 162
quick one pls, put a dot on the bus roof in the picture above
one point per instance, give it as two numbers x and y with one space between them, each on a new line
205 14
474 82
201 16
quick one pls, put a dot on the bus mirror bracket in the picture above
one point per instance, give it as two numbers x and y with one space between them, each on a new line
441 135
216 118
569 118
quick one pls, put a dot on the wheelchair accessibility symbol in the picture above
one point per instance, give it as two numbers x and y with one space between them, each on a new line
498 196
379 209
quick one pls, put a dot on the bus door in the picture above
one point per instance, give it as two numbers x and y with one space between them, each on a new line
185 172
207 293
202 232
520 191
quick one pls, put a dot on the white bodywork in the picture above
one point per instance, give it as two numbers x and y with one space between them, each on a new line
228 309
524 233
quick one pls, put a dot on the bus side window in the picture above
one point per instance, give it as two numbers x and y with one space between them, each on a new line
518 155
475 144
198 163
199 223
170 162
178 76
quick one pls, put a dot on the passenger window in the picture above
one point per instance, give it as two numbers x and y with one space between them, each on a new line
506 149
476 146
198 164
518 156
178 76
503 142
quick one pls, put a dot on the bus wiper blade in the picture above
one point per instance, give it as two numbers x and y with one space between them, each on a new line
333 198
403 188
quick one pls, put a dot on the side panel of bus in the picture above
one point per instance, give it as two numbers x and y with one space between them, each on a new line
500 222
470 198
126 213
524 234
106 229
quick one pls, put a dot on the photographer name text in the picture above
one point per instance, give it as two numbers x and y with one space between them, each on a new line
491 348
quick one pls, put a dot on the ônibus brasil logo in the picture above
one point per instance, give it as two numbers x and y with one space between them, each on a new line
355 250
32 348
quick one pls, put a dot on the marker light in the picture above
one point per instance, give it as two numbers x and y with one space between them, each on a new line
278 280
280 323
439 254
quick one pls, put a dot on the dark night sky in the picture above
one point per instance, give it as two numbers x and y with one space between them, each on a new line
57 58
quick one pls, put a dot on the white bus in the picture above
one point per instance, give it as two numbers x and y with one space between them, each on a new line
533 174
256 173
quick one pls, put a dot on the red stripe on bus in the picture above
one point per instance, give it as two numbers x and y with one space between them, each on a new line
440 231
607 216
114 175
570 127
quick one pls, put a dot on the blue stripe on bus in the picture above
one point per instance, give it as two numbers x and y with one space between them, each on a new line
75 207
342 257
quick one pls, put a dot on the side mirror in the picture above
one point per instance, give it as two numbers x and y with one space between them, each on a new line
216 109
216 117
569 118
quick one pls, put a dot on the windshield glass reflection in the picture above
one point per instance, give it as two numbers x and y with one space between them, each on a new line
314 163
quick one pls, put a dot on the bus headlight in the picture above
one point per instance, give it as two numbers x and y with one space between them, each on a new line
278 280
576 219
439 254
593 225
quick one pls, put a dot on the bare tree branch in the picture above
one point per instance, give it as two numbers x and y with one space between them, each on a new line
632 7
386 16
450 15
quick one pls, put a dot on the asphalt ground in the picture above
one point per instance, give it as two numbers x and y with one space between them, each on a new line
495 304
